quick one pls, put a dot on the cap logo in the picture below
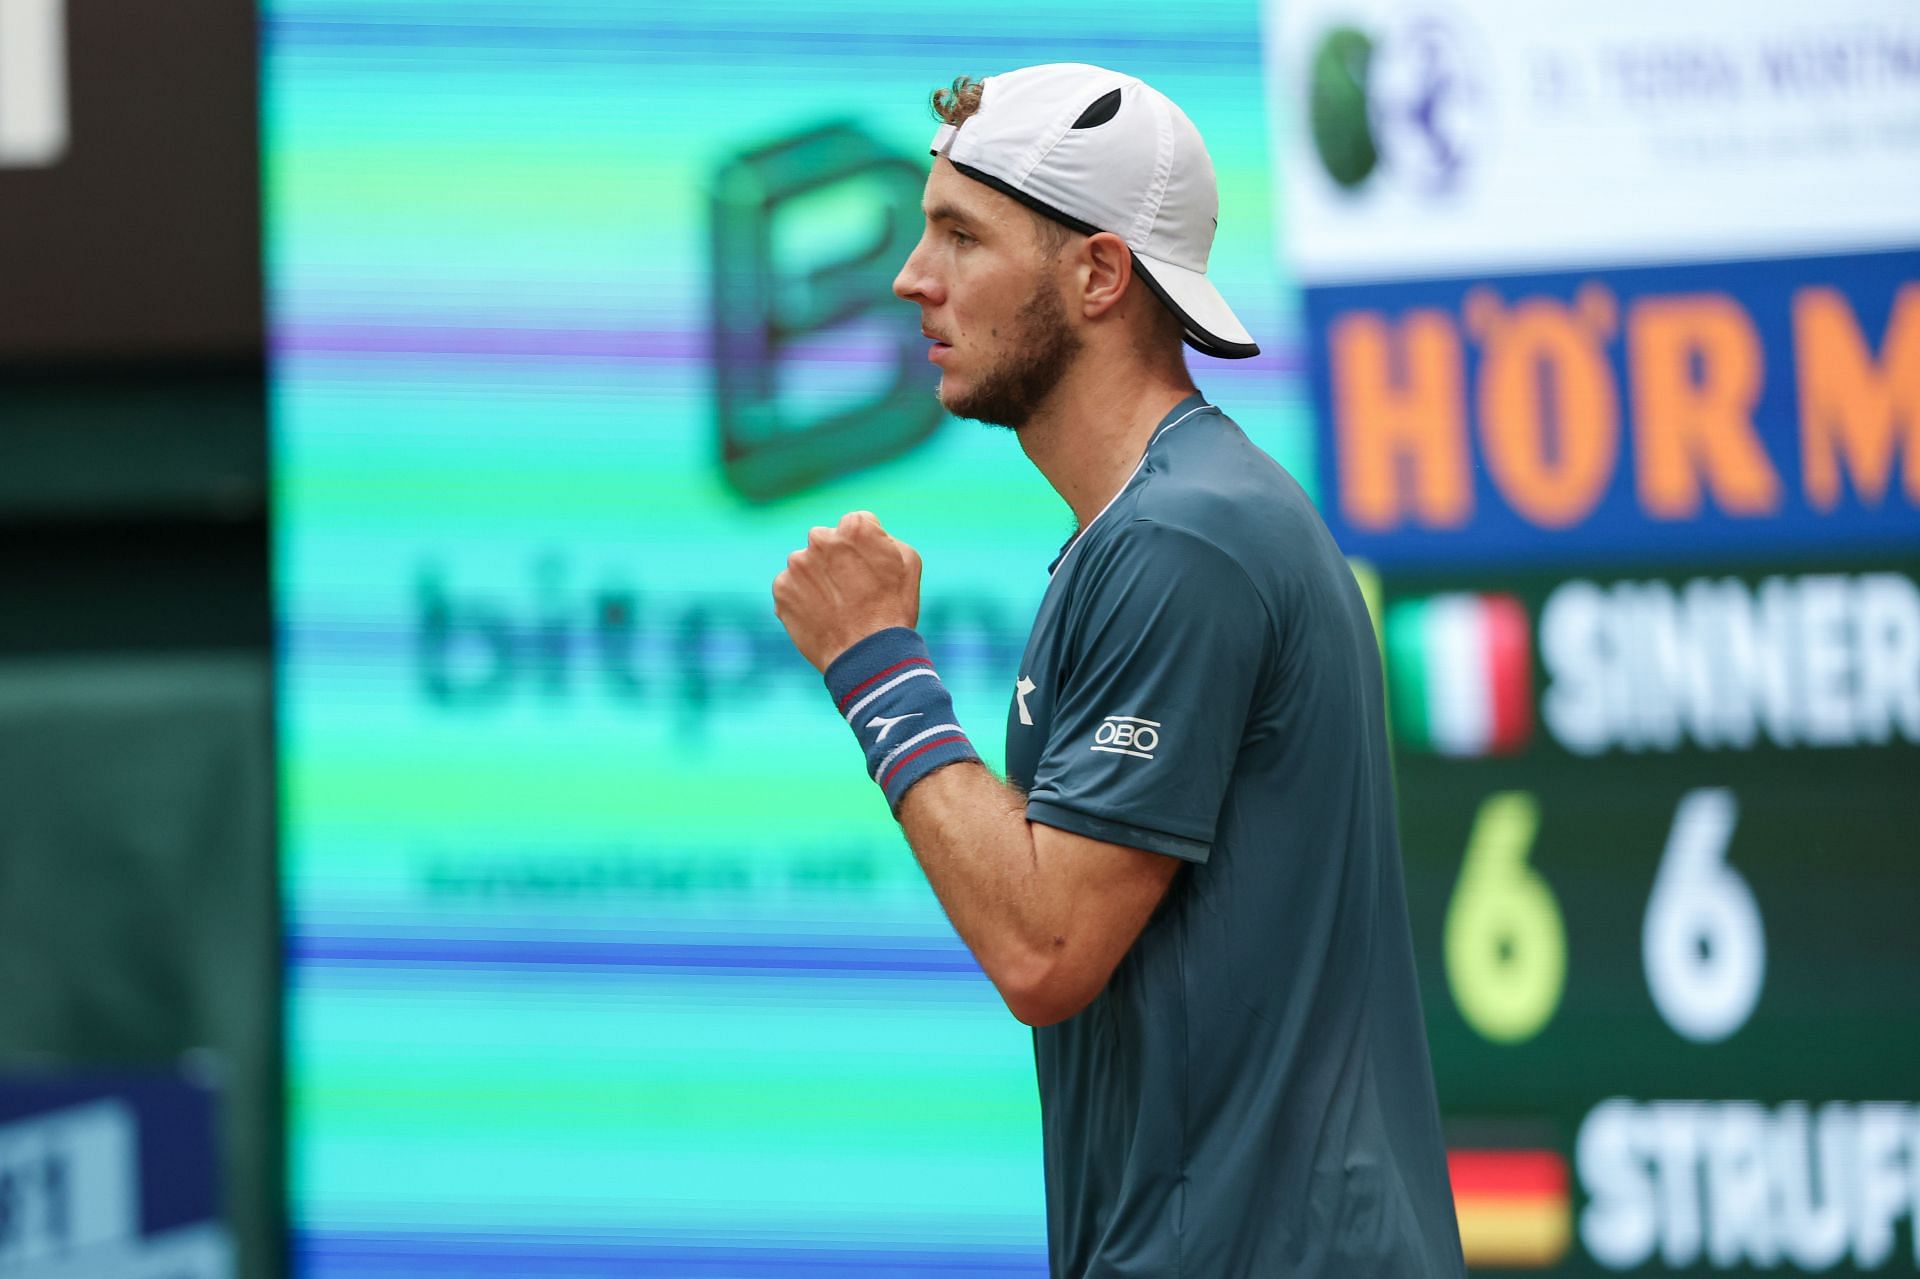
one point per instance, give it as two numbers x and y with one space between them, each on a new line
1104 108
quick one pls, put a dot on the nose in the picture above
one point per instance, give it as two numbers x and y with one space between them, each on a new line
915 282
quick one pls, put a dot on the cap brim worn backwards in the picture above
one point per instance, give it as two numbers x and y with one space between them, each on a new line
1211 326
1208 323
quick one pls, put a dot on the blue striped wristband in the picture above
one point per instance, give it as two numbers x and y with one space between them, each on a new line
888 691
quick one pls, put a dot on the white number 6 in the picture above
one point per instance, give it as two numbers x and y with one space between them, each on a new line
1703 944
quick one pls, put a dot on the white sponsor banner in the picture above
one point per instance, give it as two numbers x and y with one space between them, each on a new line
69 1182
204 1251
70 1204
1419 140
33 82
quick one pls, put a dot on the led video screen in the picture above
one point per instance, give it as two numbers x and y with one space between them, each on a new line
600 954
603 957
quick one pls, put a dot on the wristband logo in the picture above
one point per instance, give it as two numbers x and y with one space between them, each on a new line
886 722
1127 735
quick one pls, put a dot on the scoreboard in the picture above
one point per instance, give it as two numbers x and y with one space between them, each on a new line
1659 836
1621 433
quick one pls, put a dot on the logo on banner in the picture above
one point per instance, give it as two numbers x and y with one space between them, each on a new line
1411 101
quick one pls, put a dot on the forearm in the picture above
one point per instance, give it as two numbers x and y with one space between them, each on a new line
969 831
1047 913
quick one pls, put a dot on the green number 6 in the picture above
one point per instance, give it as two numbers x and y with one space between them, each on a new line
1506 945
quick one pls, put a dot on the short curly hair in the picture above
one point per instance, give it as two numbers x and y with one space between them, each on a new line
957 103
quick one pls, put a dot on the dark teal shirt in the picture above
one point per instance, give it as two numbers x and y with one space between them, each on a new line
1251 1094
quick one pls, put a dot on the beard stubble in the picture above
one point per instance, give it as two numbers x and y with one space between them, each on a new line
1040 351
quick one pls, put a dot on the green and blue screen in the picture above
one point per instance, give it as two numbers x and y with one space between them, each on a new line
603 957
602 950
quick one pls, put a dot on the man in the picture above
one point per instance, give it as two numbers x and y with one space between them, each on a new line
1190 883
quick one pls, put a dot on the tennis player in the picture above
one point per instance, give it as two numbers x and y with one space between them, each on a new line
1190 882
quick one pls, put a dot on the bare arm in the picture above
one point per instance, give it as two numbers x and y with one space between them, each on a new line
1047 913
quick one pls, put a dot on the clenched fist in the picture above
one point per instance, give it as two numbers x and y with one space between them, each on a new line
848 582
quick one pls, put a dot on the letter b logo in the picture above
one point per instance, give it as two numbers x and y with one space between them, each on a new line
818 368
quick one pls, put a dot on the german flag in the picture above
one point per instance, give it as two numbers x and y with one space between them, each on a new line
1513 1206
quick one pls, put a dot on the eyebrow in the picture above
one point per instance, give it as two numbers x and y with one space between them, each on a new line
949 213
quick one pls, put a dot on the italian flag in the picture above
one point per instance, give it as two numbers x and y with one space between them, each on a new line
1462 672
1513 1207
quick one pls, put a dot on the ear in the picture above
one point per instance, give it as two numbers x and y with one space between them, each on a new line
1107 267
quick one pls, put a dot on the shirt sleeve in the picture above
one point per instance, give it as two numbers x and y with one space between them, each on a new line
1170 641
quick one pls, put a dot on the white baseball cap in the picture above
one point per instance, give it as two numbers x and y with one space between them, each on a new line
1102 151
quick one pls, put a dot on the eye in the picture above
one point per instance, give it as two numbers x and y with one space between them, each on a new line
960 237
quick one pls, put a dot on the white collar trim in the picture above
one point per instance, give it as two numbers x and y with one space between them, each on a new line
1130 478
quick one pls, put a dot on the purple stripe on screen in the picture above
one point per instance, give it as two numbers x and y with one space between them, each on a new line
636 956
664 645
678 346
655 40
328 1252
473 339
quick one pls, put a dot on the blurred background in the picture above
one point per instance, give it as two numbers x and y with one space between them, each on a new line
421 852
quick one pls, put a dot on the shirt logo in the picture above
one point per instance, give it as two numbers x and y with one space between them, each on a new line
1020 692
1127 735
887 722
